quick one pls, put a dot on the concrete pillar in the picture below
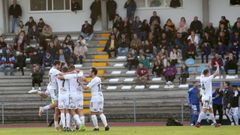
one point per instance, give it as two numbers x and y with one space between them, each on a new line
205 12
104 15
1 18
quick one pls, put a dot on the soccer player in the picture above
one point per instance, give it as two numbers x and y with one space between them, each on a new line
234 105
52 91
63 101
75 97
97 100
206 92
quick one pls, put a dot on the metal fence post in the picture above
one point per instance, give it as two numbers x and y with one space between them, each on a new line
182 111
3 121
47 116
134 107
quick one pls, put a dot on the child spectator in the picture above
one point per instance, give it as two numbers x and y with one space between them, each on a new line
142 74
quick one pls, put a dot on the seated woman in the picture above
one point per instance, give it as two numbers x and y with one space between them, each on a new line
123 45
142 74
157 69
20 41
184 74
80 51
174 56
132 59
231 64
169 73
111 46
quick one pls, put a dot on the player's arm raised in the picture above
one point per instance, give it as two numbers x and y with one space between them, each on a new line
216 73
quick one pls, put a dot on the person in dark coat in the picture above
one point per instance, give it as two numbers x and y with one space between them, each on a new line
196 25
75 6
95 11
175 3
111 9
15 12
131 6
21 58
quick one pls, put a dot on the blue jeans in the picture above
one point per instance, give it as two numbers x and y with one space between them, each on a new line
15 22
195 110
122 51
86 36
11 69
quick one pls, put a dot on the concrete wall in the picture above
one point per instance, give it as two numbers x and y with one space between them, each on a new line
1 18
218 8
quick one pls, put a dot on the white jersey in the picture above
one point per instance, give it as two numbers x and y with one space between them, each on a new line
95 86
53 73
63 87
74 83
206 87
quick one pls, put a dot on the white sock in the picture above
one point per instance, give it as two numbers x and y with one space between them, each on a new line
104 119
211 116
63 119
68 118
47 107
95 121
76 119
56 124
201 116
82 119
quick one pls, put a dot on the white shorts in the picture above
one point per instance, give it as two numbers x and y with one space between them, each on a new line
75 101
96 104
207 104
63 101
53 94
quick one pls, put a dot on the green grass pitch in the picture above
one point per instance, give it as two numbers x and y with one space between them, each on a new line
204 130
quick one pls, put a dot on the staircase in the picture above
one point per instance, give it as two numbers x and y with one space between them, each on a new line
124 98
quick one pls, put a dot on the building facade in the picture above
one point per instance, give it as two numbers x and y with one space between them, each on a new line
58 14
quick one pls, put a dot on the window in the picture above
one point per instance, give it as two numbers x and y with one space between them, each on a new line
52 5
234 2
159 3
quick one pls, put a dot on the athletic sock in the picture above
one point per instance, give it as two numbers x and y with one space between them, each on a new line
95 121
56 124
68 118
201 116
104 119
47 107
212 117
76 119
63 120
82 119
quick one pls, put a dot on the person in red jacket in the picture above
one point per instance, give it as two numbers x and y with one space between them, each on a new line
142 74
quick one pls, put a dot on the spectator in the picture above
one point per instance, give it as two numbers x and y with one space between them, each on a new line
142 59
8 60
47 60
194 38
170 28
180 45
136 43
231 64
142 74
237 26
174 56
225 22
34 59
219 60
182 27
41 53
21 58
210 30
68 42
123 45
67 54
20 41
95 11
126 27
75 6
40 25
206 47
118 22
157 69
21 27
33 34
234 103
169 73
235 44
155 17
3 45
61 56
87 31
116 32
193 100
222 44
53 50
175 3
111 46
144 30
191 50
15 12
30 23
136 25
148 49
184 74
47 32
131 7
217 104
111 9
224 29
132 59
37 77
80 52
196 25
